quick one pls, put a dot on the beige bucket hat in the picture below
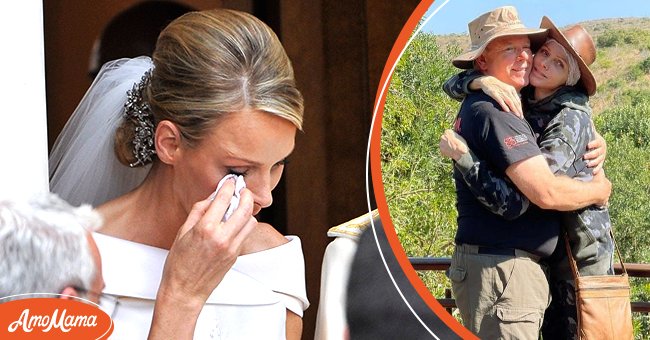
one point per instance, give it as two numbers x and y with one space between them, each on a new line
500 22
578 42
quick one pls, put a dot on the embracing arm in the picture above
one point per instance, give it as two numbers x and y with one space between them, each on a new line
596 152
457 87
564 140
464 83
563 143
535 180
494 192
204 250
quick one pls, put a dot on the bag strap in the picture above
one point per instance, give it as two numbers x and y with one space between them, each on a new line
572 261
620 258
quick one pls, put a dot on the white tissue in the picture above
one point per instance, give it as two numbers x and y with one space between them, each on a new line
234 201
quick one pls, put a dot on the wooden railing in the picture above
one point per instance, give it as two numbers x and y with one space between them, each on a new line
442 263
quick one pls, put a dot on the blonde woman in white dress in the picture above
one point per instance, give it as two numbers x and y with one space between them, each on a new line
218 98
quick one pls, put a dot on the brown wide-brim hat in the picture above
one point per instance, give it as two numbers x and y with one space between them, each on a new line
500 22
577 42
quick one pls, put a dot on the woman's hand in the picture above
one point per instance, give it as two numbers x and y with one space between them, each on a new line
605 187
452 145
506 95
204 250
597 152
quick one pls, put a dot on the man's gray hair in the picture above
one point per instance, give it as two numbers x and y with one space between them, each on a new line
44 246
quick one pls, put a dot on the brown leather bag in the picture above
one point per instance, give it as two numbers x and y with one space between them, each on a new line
603 303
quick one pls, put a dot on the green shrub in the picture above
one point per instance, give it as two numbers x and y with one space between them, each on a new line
627 131
645 66
417 180
609 39
602 60
618 37
612 84
629 122
641 322
638 70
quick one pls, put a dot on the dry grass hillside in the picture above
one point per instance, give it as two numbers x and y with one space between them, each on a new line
623 61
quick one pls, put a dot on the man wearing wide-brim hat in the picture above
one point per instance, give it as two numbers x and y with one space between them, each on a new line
501 290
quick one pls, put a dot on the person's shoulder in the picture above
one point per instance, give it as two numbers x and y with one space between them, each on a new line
481 104
573 115
264 237
571 95
483 110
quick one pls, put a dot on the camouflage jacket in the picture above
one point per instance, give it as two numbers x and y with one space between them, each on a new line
562 123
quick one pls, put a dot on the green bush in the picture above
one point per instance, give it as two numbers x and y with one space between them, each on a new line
629 122
609 39
602 60
417 180
641 322
645 66
627 131
618 37
639 70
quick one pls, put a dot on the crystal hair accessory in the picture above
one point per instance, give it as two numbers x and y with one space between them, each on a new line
83 165
137 110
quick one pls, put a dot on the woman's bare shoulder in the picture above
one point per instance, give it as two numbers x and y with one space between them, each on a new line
262 238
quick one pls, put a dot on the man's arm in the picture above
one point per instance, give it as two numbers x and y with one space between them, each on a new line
536 181
563 142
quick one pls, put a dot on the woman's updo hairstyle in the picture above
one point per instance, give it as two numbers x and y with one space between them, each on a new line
211 63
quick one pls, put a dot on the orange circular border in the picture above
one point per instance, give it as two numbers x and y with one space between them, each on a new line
375 165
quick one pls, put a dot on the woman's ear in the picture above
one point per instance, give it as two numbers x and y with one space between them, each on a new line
168 141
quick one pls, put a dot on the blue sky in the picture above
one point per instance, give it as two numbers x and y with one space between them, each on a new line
455 14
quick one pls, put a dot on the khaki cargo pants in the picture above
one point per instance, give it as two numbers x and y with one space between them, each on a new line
499 296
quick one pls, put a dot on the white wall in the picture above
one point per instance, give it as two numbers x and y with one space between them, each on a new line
23 127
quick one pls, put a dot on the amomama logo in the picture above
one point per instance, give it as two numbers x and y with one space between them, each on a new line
53 318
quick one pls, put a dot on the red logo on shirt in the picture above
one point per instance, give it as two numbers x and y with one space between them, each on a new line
515 141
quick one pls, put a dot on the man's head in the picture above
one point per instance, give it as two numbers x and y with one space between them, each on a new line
501 46
46 247
508 59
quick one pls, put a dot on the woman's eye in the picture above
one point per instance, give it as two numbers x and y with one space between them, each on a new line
281 163
236 173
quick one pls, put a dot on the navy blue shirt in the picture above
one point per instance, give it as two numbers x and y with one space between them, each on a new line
500 139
